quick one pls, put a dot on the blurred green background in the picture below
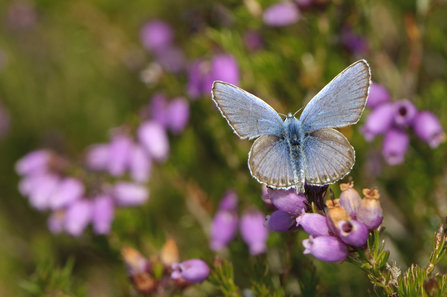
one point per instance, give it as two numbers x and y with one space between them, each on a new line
70 71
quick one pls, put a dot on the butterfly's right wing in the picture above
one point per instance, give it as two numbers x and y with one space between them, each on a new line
248 115
269 162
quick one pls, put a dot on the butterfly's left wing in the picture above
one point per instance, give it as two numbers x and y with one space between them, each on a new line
341 102
328 155
248 115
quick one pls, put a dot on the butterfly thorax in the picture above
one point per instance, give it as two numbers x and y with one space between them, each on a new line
294 136
293 130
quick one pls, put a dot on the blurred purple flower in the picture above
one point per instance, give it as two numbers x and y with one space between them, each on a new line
223 67
102 214
395 146
35 161
229 201
379 121
193 271
68 190
171 59
377 95
252 40
56 221
355 43
129 194
78 216
313 224
287 200
159 109
41 189
119 152
427 127
178 114
156 35
280 221
22 15
196 77
353 232
223 229
281 14
253 231
153 138
97 156
326 248
405 113
140 165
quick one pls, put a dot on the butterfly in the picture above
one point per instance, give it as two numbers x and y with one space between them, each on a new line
293 152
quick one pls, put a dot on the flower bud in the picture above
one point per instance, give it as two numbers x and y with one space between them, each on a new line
313 224
395 146
287 200
102 214
253 231
229 201
333 216
281 14
378 121
223 229
280 221
428 128
326 248
349 199
154 140
194 270
68 190
353 232
370 212
377 95
35 161
78 216
130 194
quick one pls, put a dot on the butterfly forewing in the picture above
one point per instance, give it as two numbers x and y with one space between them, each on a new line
341 102
248 115
329 156
269 162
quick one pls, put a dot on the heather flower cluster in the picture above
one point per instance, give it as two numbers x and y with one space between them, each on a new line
346 223
226 222
163 272
77 201
394 120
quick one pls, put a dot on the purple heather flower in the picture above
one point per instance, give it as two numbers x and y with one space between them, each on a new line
140 165
377 95
355 43
281 14
427 127
178 114
102 214
193 271
196 76
129 194
287 200
35 161
253 231
223 229
171 59
158 108
41 189
156 35
223 67
395 146
97 156
353 232
326 248
280 221
379 121
78 216
370 213
334 215
350 199
313 224
405 113
253 40
56 221
154 139
69 190
229 201
119 152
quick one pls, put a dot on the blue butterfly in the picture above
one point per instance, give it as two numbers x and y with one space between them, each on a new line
294 151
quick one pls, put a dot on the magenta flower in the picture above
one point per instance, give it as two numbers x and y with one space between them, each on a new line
178 114
428 128
223 67
287 200
159 109
140 165
326 248
78 216
313 224
379 121
223 229
395 146
129 194
33 162
193 271
102 214
281 14
353 232
171 59
350 199
196 76
252 40
354 43
154 140
280 221
41 189
156 35
405 113
229 201
68 190
97 156
377 95
370 213
253 231
119 152
56 221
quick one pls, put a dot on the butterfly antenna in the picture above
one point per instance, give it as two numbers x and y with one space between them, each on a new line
297 111
282 115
